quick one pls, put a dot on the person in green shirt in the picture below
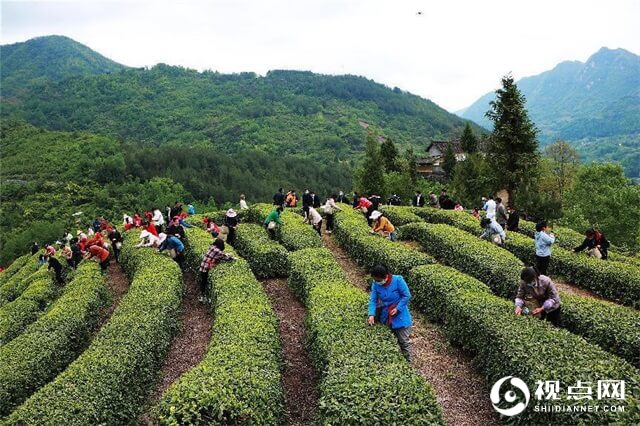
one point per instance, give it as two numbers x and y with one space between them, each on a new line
272 221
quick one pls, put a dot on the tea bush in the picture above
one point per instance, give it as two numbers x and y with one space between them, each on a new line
266 257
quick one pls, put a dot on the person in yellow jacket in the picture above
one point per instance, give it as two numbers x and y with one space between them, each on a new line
382 226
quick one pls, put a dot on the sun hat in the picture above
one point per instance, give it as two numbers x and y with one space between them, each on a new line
145 234
231 213
162 237
375 215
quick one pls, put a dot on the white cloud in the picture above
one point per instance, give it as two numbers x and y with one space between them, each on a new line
452 52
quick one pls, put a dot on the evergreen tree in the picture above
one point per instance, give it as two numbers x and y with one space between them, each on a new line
472 178
468 140
370 175
410 165
389 154
513 146
449 161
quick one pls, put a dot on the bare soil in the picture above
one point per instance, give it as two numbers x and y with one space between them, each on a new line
118 283
189 346
299 376
461 391
567 287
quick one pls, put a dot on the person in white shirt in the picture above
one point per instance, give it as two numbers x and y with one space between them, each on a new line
490 208
243 203
147 239
158 219
315 219
330 208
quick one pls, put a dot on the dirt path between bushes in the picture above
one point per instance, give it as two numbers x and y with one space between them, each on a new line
461 391
189 346
299 377
118 284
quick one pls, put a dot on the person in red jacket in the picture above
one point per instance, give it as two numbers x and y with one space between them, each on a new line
364 205
101 254
151 228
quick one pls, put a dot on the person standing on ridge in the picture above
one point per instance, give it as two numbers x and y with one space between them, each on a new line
543 243
278 198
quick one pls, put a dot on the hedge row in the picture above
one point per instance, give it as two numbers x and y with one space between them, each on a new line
460 220
17 283
505 345
15 316
353 235
266 257
400 216
109 383
364 378
294 234
500 270
613 280
481 259
238 381
15 266
36 356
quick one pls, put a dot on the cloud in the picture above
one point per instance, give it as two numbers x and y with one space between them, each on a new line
452 52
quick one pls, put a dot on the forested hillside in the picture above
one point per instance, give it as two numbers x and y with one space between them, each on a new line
595 105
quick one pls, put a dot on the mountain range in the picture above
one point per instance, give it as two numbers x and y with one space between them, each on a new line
595 105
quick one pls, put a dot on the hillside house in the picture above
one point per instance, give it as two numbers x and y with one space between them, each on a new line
431 164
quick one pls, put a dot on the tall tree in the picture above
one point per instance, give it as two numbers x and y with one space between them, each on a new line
513 145
564 166
370 175
389 154
472 178
410 164
468 140
449 161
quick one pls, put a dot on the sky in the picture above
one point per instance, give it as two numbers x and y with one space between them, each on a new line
449 51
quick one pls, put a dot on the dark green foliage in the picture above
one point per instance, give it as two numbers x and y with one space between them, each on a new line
355 361
293 234
239 380
481 259
15 266
389 154
468 140
369 177
266 257
50 57
449 161
36 356
505 345
473 178
110 381
15 316
513 147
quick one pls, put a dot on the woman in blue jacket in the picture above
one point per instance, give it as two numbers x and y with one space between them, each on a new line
388 302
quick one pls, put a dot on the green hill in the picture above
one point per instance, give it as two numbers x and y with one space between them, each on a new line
49 58
595 105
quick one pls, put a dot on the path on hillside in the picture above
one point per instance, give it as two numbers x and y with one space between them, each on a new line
189 346
118 284
567 287
299 377
461 391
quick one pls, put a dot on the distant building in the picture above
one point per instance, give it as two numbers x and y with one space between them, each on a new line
431 164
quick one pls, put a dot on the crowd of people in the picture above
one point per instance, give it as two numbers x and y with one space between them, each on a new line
537 294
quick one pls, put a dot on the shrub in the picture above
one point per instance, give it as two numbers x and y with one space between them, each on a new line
294 234
238 381
36 356
368 250
460 220
266 257
501 272
15 316
110 381
364 378
13 268
15 285
505 345
613 280
480 259
400 215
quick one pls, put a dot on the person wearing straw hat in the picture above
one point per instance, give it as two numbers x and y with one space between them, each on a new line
231 221
382 226
147 239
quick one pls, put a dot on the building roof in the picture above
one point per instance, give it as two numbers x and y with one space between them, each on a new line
442 146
